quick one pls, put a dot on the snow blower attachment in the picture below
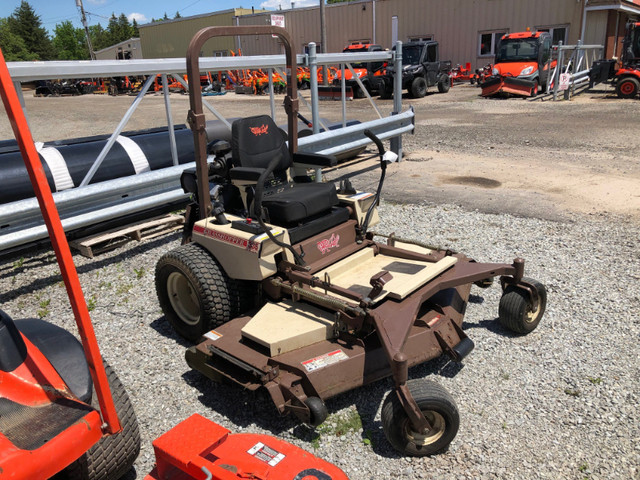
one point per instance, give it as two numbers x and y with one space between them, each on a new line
293 294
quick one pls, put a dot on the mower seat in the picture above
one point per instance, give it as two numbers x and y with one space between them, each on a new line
255 142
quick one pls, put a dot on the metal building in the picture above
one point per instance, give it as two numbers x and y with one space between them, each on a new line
468 30
126 50
171 38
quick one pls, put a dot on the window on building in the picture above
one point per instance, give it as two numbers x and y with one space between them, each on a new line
420 38
558 33
488 42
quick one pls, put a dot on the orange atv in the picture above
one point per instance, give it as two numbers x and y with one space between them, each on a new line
369 73
523 65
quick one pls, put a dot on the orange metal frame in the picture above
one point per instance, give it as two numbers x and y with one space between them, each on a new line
38 178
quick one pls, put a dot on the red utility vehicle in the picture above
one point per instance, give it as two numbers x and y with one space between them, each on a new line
523 64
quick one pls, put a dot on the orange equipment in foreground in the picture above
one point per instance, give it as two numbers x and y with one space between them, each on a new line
201 449
523 64
45 426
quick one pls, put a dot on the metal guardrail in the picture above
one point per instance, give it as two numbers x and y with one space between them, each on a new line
575 61
21 222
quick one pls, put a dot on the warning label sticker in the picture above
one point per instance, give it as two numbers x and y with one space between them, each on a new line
266 454
361 196
213 335
325 360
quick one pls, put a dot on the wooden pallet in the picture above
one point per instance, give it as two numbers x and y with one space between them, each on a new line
148 229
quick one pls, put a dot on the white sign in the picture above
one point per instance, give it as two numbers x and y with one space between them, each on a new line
565 81
277 21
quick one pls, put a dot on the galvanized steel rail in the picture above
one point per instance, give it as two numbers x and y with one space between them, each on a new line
91 204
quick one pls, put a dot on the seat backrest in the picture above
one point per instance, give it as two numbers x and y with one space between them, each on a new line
255 141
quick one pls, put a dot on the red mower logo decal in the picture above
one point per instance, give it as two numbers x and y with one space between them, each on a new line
328 243
259 130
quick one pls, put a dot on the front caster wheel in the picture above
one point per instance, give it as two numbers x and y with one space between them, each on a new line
517 313
439 409
317 409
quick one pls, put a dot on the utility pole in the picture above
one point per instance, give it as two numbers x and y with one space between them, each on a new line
323 42
86 28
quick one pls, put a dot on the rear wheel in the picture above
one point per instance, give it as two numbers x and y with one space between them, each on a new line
112 456
196 294
439 409
627 87
418 87
444 84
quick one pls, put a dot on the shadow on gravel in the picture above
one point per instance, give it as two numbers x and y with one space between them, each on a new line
164 328
15 267
492 325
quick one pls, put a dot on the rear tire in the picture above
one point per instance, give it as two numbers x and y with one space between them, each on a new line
436 405
444 84
418 87
195 293
627 87
112 456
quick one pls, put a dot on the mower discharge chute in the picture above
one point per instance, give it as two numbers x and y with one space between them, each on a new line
286 288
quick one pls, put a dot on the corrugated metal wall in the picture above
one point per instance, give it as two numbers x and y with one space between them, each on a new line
171 39
456 24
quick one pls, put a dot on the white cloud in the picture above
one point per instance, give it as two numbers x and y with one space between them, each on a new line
139 17
286 4
97 2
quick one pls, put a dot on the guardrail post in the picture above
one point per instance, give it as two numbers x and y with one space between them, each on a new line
167 107
313 69
556 80
396 142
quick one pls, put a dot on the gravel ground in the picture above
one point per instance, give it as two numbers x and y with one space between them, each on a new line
561 402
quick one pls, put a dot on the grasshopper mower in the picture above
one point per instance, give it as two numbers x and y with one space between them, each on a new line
287 289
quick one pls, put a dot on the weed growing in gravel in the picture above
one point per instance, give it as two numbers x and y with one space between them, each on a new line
339 425
573 392
139 272
43 311
91 303
595 380
124 288
18 263
504 375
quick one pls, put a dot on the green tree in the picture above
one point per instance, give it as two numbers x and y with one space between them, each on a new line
166 17
12 45
134 29
177 15
99 37
27 25
125 32
70 42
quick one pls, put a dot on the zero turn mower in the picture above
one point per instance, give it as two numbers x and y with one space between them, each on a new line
286 288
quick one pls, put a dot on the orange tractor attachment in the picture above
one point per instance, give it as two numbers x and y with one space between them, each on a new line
201 449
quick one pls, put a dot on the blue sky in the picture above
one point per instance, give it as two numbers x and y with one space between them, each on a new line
52 12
